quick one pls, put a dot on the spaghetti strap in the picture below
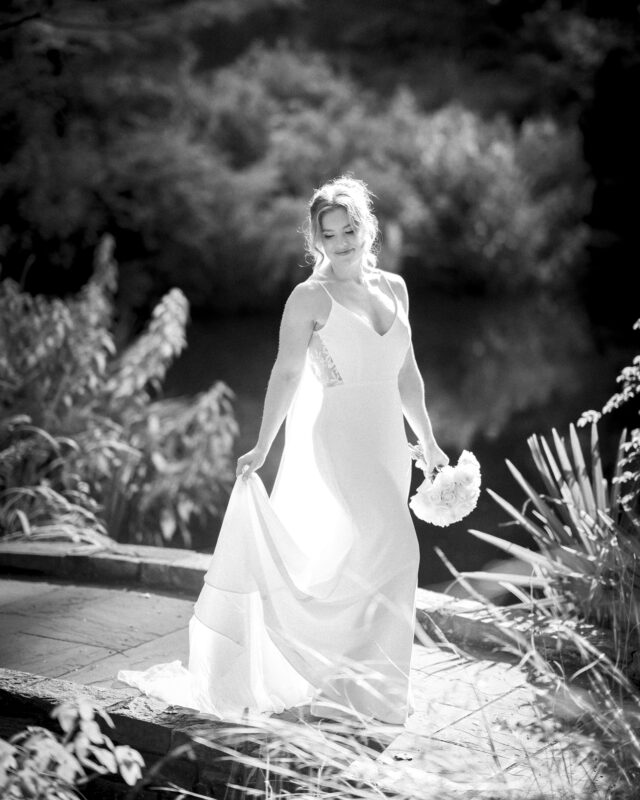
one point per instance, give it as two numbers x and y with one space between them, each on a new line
388 282
325 288
369 324
393 294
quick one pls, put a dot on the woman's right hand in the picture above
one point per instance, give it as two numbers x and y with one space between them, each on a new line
250 462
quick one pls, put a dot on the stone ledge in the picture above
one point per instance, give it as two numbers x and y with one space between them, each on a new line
469 623
151 728
160 568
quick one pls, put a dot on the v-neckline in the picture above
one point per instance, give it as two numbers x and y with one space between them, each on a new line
358 317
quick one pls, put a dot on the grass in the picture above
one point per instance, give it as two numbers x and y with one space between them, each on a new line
481 730
582 593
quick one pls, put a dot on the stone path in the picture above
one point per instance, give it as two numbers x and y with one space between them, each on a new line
466 729
87 633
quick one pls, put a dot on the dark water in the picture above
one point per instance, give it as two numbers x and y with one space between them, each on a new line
494 373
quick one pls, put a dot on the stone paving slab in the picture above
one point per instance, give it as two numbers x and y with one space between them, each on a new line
113 620
182 571
465 705
60 630
464 726
42 655
102 672
16 591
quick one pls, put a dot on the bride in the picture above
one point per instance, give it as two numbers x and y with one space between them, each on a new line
310 595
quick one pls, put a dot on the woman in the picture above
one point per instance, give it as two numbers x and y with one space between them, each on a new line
310 597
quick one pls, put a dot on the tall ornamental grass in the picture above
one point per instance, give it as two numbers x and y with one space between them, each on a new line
86 446
583 586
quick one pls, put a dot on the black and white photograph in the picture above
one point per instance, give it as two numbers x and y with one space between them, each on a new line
319 399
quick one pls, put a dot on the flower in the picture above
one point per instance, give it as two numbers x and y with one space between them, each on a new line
451 495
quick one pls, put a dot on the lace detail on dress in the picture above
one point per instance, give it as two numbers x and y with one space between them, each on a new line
322 365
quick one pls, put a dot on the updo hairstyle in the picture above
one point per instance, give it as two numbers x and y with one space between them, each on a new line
352 195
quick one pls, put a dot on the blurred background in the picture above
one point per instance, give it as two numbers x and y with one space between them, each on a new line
173 145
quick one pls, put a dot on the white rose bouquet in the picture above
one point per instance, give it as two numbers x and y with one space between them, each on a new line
451 494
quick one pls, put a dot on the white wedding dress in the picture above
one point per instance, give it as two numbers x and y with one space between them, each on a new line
310 595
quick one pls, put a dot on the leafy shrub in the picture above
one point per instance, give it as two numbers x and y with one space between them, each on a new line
496 213
36 763
90 425
40 496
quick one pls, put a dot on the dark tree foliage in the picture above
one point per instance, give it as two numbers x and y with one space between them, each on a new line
84 86
145 120
516 56
578 60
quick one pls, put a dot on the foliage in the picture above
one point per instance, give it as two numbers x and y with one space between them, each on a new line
491 205
40 497
564 47
587 563
590 697
89 427
170 481
495 211
284 756
101 132
35 763
55 351
587 529
629 462
203 175
584 586
521 57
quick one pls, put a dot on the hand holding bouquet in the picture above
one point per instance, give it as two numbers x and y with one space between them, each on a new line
451 494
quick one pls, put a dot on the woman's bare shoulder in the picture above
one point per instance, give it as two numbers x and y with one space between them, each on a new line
307 298
306 290
395 279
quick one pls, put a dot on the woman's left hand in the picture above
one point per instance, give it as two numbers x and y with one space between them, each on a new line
434 456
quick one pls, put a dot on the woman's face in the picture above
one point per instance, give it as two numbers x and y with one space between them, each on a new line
342 243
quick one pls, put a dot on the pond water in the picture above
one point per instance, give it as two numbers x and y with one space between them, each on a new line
494 372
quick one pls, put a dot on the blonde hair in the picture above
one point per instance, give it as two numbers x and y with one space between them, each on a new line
355 198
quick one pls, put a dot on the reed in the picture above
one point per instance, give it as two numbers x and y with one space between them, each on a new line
586 565
583 588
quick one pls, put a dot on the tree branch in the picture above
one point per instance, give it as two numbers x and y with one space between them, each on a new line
5 26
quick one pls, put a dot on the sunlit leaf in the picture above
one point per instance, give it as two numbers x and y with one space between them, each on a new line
518 580
516 550
67 716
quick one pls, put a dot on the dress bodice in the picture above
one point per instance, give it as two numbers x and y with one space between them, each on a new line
347 350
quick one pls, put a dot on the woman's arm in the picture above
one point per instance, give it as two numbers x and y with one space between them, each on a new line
411 387
296 328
